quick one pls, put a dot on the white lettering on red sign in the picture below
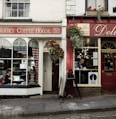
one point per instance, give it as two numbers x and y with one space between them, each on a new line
6 30
29 30
103 30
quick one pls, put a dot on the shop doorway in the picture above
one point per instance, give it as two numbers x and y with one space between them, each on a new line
55 76
108 66
50 74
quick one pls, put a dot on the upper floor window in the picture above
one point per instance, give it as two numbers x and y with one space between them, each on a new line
17 8
94 4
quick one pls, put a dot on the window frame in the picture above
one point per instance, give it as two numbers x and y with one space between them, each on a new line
97 4
20 13
87 70
21 62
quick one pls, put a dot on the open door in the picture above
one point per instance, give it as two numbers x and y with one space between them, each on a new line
47 72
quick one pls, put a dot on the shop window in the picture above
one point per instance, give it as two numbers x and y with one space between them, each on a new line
86 61
95 4
19 48
5 57
21 63
17 8
33 56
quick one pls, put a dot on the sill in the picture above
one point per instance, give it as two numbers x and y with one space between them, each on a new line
19 86
94 13
77 69
16 20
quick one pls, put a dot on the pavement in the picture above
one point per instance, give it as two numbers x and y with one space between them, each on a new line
52 104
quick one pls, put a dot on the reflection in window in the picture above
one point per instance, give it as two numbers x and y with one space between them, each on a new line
93 4
17 8
33 55
5 48
19 48
86 60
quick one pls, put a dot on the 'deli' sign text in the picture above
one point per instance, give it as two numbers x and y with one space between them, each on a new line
103 30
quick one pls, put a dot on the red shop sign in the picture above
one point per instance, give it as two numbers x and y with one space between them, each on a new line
103 30
30 29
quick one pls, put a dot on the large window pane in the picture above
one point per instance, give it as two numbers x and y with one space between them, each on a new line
19 48
33 51
86 61
94 4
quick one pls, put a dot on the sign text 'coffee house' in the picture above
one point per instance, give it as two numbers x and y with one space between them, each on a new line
30 30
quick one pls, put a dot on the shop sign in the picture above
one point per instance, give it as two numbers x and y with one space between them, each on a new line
30 30
103 30
85 28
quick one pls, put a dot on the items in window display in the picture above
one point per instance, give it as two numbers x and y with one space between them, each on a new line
23 64
5 53
88 55
7 78
82 76
30 52
32 76
19 71
19 60
108 62
93 77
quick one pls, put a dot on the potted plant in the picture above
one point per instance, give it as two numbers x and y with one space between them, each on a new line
75 36
96 12
56 52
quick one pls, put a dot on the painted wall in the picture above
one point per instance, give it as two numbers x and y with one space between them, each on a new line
70 55
80 7
47 10
1 1
43 10
112 3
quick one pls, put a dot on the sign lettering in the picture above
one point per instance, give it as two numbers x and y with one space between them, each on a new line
108 30
29 30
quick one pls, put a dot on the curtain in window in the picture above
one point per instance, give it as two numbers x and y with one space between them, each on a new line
96 3
91 3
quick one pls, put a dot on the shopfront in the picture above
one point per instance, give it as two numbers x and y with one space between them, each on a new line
24 54
96 55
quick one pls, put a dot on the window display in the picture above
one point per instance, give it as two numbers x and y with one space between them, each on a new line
22 61
86 60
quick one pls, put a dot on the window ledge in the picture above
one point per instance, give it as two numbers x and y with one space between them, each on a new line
19 86
94 13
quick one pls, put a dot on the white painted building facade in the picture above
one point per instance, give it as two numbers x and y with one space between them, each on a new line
78 7
26 23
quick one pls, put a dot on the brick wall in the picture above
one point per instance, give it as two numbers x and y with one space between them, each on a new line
88 91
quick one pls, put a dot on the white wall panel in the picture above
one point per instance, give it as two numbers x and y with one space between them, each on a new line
1 4
80 7
47 10
111 4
